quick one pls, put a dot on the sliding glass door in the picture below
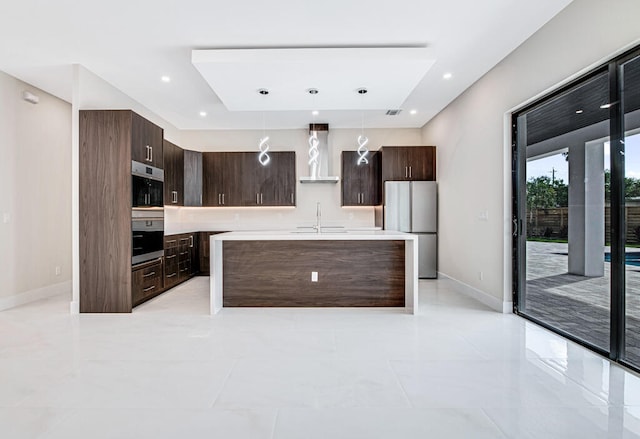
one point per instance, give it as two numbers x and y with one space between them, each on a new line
629 72
577 210
563 143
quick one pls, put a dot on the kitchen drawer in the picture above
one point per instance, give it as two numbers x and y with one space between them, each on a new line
147 281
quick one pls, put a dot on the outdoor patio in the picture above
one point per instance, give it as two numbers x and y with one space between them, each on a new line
576 304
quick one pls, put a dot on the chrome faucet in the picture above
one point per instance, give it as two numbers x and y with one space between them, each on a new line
318 226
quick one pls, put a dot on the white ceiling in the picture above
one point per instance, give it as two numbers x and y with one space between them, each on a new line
131 44
388 75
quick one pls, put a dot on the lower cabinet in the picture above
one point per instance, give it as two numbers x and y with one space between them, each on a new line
185 256
171 261
180 255
146 281
204 251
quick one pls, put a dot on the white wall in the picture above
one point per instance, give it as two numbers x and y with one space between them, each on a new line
193 219
35 177
473 137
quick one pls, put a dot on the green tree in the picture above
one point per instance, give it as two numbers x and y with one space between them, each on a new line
631 186
540 193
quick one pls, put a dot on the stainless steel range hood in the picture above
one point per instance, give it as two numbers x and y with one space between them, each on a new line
320 171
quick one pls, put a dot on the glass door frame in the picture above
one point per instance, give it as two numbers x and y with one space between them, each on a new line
617 206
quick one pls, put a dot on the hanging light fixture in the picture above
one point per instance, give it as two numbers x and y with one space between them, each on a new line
263 146
363 151
314 153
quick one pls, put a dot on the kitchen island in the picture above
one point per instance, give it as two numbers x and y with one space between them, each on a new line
307 269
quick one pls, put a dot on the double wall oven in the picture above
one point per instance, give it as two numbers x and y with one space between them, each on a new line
147 215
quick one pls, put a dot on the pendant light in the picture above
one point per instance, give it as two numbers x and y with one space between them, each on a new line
314 153
263 146
363 151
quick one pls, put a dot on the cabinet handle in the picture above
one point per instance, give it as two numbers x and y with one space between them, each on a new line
358 198
184 253
149 289
149 274
171 275
191 241
257 198
184 269
151 158
171 242
406 172
292 198
223 199
261 202
170 257
175 196
219 200
409 171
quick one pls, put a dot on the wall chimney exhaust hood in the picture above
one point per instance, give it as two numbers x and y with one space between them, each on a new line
319 156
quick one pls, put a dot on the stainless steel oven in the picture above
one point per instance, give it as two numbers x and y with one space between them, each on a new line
147 186
147 235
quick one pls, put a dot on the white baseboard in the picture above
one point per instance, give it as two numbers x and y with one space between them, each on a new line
36 294
489 300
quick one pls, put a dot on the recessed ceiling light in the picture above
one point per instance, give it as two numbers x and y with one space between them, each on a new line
605 106
203 113
165 78
579 111
447 76
263 91
413 111
315 112
312 91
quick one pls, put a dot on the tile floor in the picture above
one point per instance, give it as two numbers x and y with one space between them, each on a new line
456 370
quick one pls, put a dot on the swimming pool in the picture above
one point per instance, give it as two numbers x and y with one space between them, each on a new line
629 258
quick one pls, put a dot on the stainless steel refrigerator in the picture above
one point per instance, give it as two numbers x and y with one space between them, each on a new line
412 207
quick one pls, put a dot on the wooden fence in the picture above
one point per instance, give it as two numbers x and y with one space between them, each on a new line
554 223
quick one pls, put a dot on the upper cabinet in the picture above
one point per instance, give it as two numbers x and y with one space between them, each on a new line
192 178
361 184
146 141
222 179
409 163
273 184
238 179
173 174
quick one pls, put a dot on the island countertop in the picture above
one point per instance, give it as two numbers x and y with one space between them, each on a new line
306 235
379 269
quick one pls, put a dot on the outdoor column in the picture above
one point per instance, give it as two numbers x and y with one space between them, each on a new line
586 209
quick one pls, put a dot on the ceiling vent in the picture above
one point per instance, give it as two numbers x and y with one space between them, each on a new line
393 112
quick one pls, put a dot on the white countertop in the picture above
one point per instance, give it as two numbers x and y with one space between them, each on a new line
309 235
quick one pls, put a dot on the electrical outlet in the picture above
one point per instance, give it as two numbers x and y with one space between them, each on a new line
314 276
480 275
58 271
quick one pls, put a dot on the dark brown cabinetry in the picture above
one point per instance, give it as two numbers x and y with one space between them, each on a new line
180 255
109 141
238 179
271 185
222 178
147 281
361 183
192 178
204 249
173 174
146 141
171 270
408 163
